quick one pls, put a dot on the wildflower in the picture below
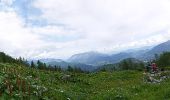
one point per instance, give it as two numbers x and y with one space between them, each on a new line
68 99
62 91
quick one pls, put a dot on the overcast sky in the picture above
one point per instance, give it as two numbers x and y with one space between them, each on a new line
61 28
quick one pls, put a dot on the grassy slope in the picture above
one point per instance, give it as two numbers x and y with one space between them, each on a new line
123 85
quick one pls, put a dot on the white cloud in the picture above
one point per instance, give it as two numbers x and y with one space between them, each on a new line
110 22
105 19
7 2
14 36
101 25
18 40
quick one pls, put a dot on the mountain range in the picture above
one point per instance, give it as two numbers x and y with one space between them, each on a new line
64 64
92 60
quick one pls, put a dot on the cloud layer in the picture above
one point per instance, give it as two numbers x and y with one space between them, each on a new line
60 28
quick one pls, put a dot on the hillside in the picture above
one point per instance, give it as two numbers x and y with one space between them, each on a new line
64 65
19 82
99 59
89 58
163 47
90 61
84 49
159 49
126 64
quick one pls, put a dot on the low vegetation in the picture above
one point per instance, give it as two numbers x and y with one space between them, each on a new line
19 82
163 60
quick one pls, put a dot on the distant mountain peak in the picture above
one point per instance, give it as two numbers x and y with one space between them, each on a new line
168 41
95 58
90 58
46 60
163 47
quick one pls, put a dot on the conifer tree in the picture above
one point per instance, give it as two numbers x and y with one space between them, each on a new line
32 65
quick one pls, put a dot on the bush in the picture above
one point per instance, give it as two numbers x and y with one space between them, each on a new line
164 60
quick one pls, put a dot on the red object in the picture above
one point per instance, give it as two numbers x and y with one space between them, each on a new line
154 67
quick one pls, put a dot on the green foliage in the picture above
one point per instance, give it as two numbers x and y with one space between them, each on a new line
6 59
70 69
74 69
18 82
41 65
54 85
33 65
78 70
126 64
103 70
22 61
108 68
57 68
164 60
130 64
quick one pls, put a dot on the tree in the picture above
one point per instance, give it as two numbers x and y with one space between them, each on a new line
57 68
164 60
131 64
77 70
124 65
70 69
32 65
4 58
103 70
44 66
40 65
50 67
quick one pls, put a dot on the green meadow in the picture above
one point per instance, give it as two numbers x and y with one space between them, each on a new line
23 83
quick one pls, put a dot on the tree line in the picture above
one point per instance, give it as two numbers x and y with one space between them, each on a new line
163 60
4 58
43 66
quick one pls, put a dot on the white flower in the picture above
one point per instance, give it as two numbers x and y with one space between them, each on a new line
68 99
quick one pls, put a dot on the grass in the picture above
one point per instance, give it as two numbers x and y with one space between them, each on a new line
49 85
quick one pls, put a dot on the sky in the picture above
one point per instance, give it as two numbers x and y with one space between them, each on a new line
37 29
